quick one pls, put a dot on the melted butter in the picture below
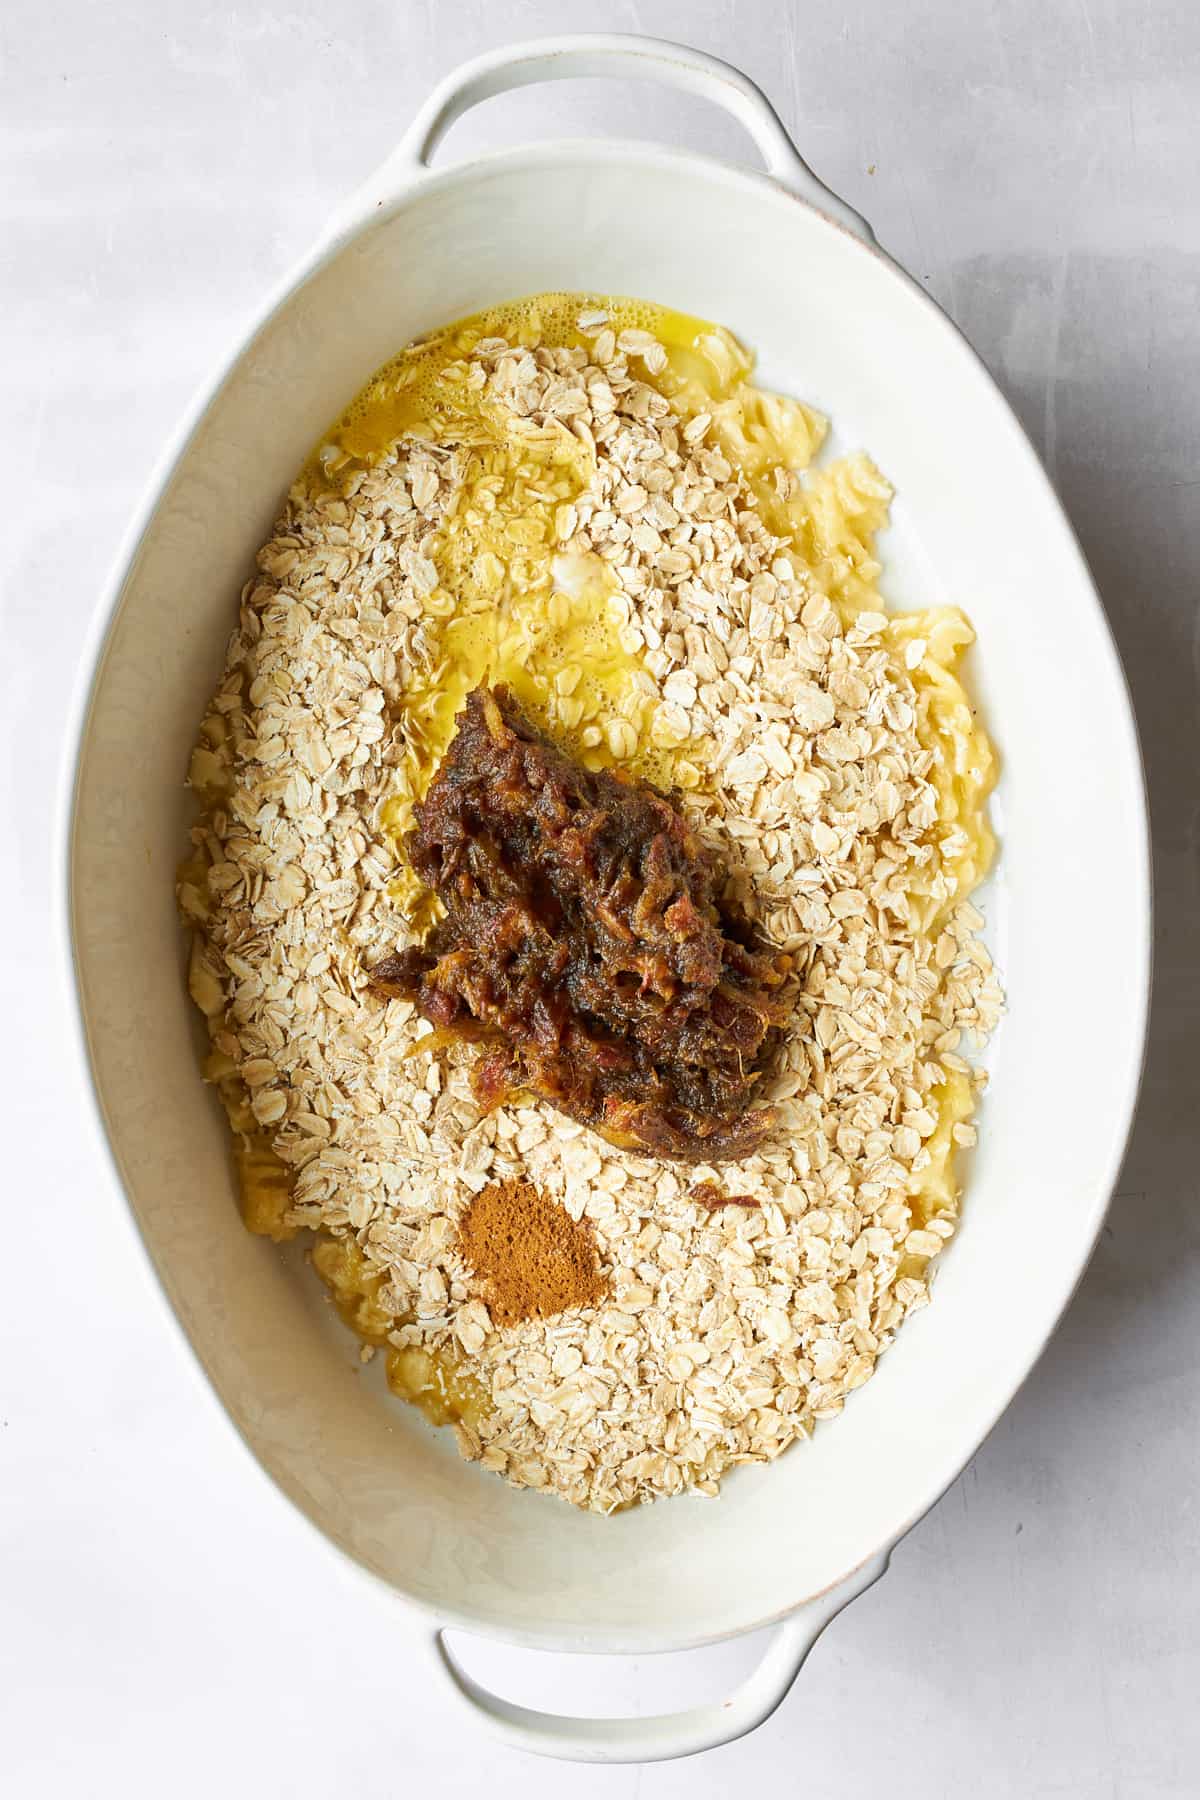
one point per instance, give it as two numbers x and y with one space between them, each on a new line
425 392
558 646
511 604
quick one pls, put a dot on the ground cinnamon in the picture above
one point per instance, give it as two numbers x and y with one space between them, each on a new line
529 1257
591 935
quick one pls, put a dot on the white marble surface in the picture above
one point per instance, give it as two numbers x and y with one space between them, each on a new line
166 1623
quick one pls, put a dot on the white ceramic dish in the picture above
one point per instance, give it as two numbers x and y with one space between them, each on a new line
798 276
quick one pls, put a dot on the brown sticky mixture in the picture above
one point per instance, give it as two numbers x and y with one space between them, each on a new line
529 1257
707 1193
588 935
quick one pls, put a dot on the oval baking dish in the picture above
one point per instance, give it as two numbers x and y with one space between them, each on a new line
799 277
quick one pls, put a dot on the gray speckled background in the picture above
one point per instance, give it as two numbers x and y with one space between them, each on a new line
1035 163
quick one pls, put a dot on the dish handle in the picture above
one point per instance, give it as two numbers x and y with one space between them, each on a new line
664 1736
597 54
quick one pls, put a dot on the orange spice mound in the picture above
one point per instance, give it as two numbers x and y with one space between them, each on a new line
529 1256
